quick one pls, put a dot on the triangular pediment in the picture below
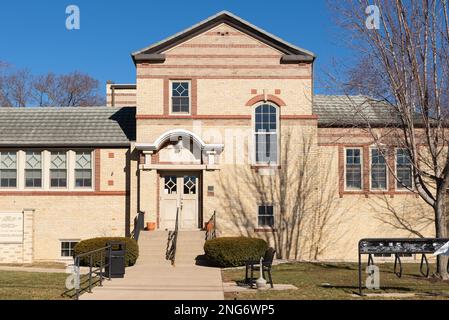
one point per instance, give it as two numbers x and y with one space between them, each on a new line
224 23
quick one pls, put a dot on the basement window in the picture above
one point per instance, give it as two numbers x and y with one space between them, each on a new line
67 248
266 216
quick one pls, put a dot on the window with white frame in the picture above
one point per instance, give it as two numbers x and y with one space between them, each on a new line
180 97
8 169
266 134
353 169
58 169
403 169
83 169
266 216
67 248
378 170
33 169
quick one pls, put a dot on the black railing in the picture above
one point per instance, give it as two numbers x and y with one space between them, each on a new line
211 227
172 241
97 263
138 226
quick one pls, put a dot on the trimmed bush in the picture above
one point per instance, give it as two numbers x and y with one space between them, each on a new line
131 255
234 251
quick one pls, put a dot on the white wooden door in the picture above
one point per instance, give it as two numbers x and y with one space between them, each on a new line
179 191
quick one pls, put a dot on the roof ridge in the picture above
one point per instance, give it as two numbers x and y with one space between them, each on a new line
222 14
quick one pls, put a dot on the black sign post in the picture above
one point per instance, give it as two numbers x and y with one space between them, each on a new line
398 247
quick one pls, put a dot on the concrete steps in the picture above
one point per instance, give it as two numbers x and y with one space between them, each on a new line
153 246
153 277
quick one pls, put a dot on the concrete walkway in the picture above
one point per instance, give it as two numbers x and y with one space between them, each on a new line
153 278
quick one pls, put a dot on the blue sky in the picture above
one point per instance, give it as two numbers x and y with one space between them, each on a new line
33 33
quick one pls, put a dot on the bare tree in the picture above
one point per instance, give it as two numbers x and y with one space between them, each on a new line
19 88
15 88
404 63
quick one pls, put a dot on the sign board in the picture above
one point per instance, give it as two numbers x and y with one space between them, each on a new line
400 246
11 227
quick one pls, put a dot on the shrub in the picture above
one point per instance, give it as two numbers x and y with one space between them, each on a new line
233 252
131 254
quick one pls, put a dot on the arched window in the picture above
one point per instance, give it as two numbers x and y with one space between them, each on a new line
266 134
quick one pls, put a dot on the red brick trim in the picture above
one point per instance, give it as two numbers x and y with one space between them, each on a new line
366 169
155 158
97 169
341 170
176 163
253 91
214 45
158 200
141 158
229 77
63 193
111 155
221 56
121 95
194 96
277 91
302 117
166 96
224 66
261 97
110 182
187 117
221 117
258 167
222 33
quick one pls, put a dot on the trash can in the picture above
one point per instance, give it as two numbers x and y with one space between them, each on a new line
116 259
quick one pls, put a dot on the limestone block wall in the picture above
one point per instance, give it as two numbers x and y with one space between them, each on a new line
20 252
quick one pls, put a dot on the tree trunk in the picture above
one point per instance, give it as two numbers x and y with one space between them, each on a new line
441 232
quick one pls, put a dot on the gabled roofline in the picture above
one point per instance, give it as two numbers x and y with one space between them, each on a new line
154 51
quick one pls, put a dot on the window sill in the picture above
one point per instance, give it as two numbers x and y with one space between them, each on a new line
264 230
265 166
391 193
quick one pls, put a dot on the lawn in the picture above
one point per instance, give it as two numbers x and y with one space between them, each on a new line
15 285
320 281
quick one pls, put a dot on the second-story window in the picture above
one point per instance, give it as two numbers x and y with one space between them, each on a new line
33 169
8 169
266 134
83 169
378 170
403 169
353 169
58 170
180 97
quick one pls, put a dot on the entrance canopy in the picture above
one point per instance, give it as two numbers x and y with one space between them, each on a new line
176 135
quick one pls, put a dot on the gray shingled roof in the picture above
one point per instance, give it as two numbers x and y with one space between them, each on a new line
340 111
82 126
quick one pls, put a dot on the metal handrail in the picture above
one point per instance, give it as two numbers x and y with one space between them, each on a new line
95 271
211 227
138 226
172 241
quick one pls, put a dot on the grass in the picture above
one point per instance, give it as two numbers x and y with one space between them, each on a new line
18 285
321 281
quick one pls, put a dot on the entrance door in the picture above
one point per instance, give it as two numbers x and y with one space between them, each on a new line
179 190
